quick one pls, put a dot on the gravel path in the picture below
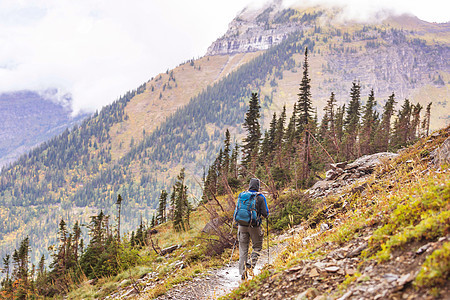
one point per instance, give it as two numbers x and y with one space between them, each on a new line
219 282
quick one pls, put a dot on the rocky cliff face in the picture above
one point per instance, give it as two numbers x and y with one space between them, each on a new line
250 31
400 54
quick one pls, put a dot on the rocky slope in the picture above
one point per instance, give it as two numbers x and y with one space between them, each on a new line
386 236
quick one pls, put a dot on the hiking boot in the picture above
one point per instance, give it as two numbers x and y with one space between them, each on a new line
244 275
249 269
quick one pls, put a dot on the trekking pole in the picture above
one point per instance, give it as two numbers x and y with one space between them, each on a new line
268 251
232 251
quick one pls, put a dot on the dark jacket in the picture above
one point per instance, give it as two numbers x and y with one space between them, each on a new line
261 202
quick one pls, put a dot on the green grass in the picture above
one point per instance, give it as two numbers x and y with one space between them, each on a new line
423 214
436 268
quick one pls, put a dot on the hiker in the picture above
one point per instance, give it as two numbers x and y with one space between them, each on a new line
251 205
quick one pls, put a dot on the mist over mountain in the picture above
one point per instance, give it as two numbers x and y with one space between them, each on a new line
27 119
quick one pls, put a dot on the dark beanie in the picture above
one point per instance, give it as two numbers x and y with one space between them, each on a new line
254 184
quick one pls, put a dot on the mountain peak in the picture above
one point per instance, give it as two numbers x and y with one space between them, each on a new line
259 28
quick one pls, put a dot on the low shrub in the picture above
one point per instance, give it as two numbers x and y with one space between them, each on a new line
290 210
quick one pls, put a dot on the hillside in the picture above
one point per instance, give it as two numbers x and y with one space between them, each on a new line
26 120
136 145
382 235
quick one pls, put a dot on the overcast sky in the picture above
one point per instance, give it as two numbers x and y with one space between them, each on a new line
96 50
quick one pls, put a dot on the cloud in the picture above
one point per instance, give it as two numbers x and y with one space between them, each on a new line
96 50
369 10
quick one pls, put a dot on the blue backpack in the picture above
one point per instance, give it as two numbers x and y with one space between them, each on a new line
245 213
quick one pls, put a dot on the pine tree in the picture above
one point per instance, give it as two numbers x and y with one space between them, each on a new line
272 133
250 148
99 258
140 236
402 126
327 130
181 204
369 125
226 153
119 205
6 283
279 137
305 110
41 265
304 104
21 259
60 260
268 144
383 133
351 123
133 238
290 143
234 161
415 123
427 119
41 278
161 217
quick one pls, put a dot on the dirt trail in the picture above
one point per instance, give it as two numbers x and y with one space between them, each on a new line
219 282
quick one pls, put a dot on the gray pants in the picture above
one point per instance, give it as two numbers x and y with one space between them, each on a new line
256 234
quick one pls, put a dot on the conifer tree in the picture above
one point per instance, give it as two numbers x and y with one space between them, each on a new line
119 205
304 108
272 132
369 125
304 104
330 138
219 162
234 161
181 204
402 125
41 265
279 137
415 122
226 153
77 235
6 283
383 133
133 238
140 235
250 148
21 259
161 217
41 279
351 123
99 258
60 261
153 222
427 119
